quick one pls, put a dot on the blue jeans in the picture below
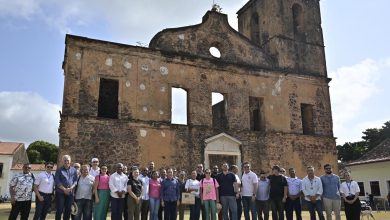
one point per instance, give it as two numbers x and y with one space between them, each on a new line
84 209
43 207
313 207
117 206
154 205
195 209
292 205
248 204
229 203
63 205
170 210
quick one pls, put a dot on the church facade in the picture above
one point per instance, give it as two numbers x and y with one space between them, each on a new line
271 73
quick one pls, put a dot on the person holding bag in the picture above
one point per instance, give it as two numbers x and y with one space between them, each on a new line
102 194
350 193
209 195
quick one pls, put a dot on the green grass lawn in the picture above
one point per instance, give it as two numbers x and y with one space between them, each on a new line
5 208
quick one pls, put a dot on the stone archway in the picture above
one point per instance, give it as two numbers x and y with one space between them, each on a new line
222 148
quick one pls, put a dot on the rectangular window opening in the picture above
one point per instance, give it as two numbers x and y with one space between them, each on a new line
218 102
108 98
307 119
362 191
256 114
375 189
179 106
1 169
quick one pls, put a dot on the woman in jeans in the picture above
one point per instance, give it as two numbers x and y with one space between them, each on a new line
209 195
154 195
102 194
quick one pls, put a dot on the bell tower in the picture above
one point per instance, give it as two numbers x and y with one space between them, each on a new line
289 30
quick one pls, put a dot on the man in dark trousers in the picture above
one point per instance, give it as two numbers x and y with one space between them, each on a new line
278 193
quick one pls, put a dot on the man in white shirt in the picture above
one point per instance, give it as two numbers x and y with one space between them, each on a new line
249 189
312 190
118 188
144 178
43 188
293 201
262 196
94 170
83 194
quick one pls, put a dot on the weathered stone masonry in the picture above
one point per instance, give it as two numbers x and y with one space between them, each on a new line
180 57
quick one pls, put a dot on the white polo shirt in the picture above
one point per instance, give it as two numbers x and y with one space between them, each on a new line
45 182
312 187
248 180
349 189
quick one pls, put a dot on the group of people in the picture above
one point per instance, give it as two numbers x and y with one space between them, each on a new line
145 191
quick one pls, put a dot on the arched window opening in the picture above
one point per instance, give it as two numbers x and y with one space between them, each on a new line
255 28
298 19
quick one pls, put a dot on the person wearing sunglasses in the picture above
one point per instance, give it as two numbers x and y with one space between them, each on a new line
43 188
20 188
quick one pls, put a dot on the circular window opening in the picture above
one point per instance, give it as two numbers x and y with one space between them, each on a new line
215 52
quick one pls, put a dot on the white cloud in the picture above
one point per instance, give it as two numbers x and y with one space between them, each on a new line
351 88
27 117
130 21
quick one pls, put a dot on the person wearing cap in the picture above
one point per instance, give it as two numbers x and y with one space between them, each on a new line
94 170
65 180
43 188
20 188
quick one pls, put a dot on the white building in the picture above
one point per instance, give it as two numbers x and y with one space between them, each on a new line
371 171
10 154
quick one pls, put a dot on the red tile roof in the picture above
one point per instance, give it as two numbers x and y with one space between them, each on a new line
379 153
9 148
34 167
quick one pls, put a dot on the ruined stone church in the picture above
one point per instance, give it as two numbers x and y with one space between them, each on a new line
271 73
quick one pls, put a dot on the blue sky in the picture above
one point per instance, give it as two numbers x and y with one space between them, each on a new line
32 48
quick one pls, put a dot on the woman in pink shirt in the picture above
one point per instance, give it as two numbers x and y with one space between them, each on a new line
209 195
154 195
102 194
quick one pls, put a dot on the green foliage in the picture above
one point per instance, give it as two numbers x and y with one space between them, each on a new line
372 138
42 151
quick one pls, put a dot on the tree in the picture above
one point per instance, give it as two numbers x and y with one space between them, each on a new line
372 138
351 151
42 151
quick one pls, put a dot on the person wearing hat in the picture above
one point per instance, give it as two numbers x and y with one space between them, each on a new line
94 170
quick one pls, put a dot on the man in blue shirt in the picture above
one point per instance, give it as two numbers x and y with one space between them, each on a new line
170 195
331 193
65 180
293 201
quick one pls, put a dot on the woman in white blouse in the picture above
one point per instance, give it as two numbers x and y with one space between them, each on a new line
350 192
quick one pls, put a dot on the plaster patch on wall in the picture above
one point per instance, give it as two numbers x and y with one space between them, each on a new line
127 65
143 132
145 67
161 112
162 89
109 61
278 86
162 134
128 84
271 107
164 70
263 86
181 36
145 109
78 55
142 86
